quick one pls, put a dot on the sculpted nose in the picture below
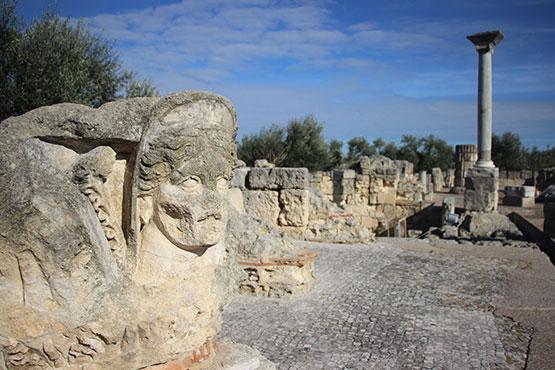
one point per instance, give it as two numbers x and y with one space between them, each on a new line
212 203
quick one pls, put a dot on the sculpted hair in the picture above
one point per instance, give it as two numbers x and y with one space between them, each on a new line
176 134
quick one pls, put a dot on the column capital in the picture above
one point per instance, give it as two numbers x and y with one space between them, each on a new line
486 41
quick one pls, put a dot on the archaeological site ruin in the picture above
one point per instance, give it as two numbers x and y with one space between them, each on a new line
132 236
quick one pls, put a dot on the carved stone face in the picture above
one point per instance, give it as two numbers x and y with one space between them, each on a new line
184 172
190 207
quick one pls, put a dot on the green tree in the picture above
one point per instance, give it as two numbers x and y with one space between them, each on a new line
335 155
379 145
268 144
54 60
306 146
358 147
508 153
390 150
538 159
409 149
435 152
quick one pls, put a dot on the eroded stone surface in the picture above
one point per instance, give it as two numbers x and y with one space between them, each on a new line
112 226
278 178
481 189
294 207
270 264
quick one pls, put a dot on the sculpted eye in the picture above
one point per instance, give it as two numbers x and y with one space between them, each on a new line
191 183
222 184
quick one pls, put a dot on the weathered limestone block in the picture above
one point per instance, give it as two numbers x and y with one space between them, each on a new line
294 207
329 222
263 204
490 224
236 200
263 163
278 178
278 276
316 179
362 185
343 186
450 178
437 179
271 265
112 223
406 168
326 185
520 196
386 195
481 189
239 179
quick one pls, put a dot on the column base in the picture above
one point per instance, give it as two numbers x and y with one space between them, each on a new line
481 185
484 164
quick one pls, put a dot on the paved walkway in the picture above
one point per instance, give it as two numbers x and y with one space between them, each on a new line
388 305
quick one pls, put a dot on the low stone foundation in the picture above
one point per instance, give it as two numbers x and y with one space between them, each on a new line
278 276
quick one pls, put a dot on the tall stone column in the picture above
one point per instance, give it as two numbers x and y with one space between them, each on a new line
482 180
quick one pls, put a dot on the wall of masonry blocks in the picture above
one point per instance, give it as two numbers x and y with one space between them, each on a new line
377 189
277 195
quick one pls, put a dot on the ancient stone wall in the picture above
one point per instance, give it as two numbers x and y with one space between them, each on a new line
268 203
375 191
277 195
515 178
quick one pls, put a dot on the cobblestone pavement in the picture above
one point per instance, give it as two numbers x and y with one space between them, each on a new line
381 307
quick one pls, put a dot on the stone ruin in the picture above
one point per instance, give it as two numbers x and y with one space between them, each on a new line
438 179
466 156
520 196
375 192
284 199
113 235
272 265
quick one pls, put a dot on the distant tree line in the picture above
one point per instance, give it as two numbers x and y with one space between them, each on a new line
301 144
508 153
54 60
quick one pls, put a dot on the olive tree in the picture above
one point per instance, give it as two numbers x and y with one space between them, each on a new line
56 60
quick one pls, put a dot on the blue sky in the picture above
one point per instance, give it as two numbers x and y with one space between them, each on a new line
364 68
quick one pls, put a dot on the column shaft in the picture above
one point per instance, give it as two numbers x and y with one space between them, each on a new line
484 109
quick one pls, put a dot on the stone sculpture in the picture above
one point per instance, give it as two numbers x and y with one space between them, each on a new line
111 229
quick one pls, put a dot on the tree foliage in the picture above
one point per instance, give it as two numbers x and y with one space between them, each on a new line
305 143
508 152
301 144
54 60
335 156
267 144
359 147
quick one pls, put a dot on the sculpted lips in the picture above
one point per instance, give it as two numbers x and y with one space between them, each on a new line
214 215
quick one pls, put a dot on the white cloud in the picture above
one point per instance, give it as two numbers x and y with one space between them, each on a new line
280 59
